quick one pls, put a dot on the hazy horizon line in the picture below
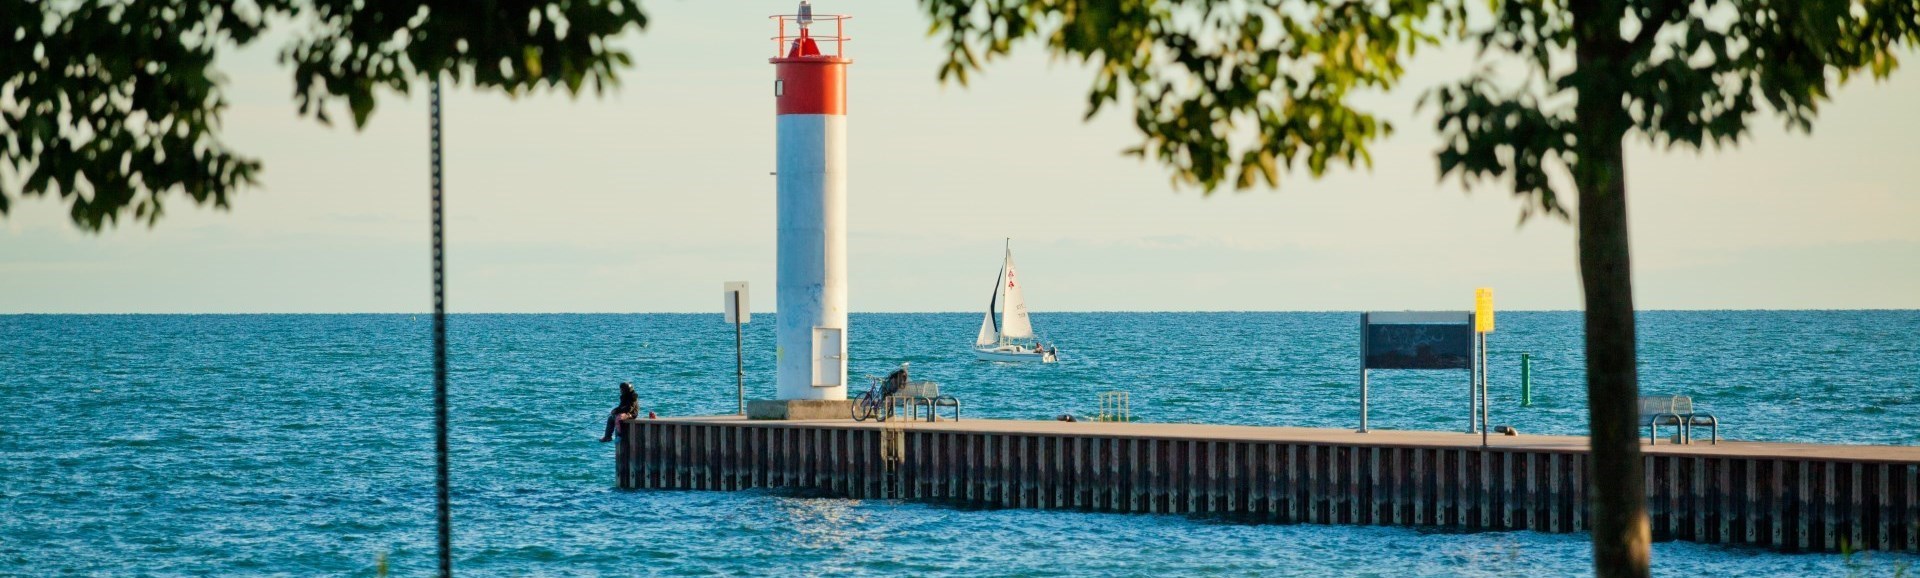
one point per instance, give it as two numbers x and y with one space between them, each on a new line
1092 311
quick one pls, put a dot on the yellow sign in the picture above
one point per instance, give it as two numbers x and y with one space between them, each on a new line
1483 310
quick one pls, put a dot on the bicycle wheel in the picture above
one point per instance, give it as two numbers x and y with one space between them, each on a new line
863 407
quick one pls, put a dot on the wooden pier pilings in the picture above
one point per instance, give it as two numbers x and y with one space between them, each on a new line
1790 497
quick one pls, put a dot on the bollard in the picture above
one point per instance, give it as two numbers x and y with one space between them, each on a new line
1526 380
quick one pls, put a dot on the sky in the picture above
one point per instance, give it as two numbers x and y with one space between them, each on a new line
647 199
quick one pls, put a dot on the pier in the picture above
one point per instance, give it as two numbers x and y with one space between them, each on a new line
1780 496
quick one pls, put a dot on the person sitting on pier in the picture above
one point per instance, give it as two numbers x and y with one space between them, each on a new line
628 408
896 381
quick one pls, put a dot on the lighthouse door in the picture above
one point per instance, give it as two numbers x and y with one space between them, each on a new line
829 357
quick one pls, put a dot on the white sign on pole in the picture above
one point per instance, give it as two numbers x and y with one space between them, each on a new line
732 290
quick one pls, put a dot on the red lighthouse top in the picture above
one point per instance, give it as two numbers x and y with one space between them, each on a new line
810 70
799 42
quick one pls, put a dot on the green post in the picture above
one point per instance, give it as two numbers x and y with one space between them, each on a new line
1526 380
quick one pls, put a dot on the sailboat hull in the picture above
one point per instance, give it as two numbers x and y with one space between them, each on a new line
1008 354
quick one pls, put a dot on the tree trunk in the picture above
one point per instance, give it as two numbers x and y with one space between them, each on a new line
1621 537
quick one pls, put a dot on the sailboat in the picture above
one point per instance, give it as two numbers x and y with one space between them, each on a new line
1010 337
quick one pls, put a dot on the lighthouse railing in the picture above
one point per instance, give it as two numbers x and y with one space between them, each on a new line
839 37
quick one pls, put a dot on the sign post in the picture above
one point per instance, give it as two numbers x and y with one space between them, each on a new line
1526 380
1363 372
1482 325
1473 378
735 294
1415 340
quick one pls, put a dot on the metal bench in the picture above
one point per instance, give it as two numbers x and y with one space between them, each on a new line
1683 406
1676 411
917 394
1656 411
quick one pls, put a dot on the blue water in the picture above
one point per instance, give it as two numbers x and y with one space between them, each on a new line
302 445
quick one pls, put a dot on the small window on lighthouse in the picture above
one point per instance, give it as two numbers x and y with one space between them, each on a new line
779 87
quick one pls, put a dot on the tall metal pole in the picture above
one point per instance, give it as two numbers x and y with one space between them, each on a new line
1486 424
1473 379
1526 380
739 360
443 509
1486 407
1363 373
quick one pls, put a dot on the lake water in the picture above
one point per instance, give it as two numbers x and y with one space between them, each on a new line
302 444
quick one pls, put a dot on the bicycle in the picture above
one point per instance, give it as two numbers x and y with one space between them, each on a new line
873 403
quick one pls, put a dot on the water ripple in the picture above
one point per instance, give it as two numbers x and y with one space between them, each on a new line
301 444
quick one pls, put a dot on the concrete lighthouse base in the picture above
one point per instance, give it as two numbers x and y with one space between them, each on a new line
792 409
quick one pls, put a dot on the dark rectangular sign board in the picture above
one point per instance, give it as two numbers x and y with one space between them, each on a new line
1419 346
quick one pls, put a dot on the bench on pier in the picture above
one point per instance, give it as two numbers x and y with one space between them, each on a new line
917 394
1676 411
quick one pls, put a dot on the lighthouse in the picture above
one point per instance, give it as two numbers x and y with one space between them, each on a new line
810 95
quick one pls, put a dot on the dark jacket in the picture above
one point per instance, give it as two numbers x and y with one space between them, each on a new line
629 403
895 382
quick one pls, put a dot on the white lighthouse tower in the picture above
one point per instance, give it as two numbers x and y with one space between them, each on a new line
810 92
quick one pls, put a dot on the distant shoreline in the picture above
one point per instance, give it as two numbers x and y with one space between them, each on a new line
1093 312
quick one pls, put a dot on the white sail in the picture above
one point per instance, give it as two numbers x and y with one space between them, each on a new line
987 335
989 328
1013 319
